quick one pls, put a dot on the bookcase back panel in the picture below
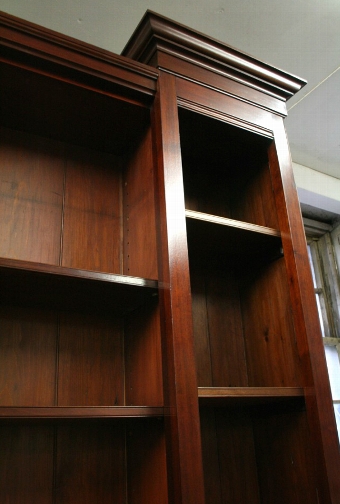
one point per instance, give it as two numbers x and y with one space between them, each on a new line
85 462
26 464
270 340
243 328
257 456
284 458
92 231
229 457
90 361
217 323
51 358
28 344
225 170
31 178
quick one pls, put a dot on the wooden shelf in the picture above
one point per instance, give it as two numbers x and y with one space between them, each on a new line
224 235
228 396
79 412
45 285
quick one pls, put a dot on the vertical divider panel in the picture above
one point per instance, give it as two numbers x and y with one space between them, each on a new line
180 384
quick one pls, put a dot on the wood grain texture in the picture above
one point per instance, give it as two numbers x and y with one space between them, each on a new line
97 67
143 357
90 464
146 462
31 210
26 464
283 450
270 338
229 457
180 386
319 404
28 342
140 251
90 361
225 169
219 344
92 217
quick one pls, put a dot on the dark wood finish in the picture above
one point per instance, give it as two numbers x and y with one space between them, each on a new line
80 340
157 39
156 344
143 357
318 398
90 464
28 342
180 387
90 361
146 462
139 255
31 211
245 396
26 464
46 286
79 412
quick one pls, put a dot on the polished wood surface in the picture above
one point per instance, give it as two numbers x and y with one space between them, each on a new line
180 385
159 337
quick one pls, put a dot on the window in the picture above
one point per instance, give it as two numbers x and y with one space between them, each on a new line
324 255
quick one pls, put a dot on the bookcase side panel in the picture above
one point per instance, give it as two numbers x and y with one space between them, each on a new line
143 357
139 220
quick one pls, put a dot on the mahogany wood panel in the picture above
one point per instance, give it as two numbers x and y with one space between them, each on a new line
146 462
225 170
104 124
255 200
59 54
270 339
92 216
26 464
90 463
28 342
229 457
284 458
200 74
140 251
90 361
221 105
31 210
143 357
217 321
180 385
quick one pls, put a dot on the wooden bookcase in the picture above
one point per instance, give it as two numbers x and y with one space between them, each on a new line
159 340
81 388
265 425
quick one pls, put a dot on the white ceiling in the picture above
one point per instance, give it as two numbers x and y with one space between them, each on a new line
299 36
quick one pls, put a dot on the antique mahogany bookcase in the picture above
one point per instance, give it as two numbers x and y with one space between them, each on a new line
159 338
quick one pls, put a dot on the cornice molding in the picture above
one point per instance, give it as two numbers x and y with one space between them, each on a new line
157 33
